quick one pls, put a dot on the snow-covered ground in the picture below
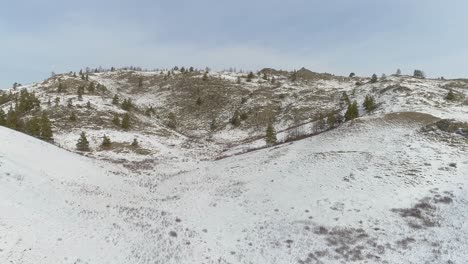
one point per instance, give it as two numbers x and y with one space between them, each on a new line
377 190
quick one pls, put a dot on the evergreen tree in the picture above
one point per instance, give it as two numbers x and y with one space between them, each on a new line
80 93
250 76
57 101
116 120
374 78
88 105
419 74
199 101
127 104
73 117
106 142
270 136
61 88
33 127
134 143
398 72
273 80
369 103
450 96
87 77
351 75
235 120
352 112
49 103
115 100
172 121
70 103
83 143
238 81
126 121
265 77
91 88
46 127
205 77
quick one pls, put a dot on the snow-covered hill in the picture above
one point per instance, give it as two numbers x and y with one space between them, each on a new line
375 190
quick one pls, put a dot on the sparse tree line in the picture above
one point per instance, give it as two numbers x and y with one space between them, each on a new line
106 144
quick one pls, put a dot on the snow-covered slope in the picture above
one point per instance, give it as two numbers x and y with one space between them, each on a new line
377 190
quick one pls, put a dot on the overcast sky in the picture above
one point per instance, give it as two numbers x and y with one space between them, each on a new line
336 36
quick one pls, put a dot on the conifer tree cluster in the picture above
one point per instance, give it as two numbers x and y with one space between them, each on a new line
127 104
25 116
369 103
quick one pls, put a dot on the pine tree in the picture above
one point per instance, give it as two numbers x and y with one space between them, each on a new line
250 76
116 120
88 105
87 77
419 74
369 103
134 143
80 93
83 143
115 100
172 121
199 101
33 127
60 88
106 142
73 117
238 81
265 77
450 96
126 121
127 104
235 120
46 127
352 112
374 78
398 72
57 101
270 136
91 88
205 77
70 103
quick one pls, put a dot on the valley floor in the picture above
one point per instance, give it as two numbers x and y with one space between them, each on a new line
377 190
